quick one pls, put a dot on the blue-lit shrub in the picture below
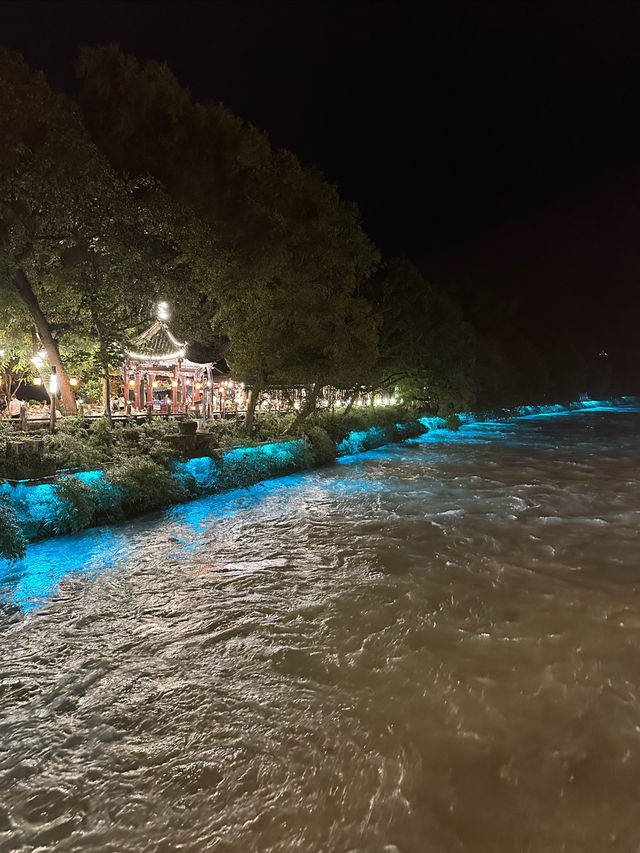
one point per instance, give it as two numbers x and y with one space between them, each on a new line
78 505
13 542
141 483
244 466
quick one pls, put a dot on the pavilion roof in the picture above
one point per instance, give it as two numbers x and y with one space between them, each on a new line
157 344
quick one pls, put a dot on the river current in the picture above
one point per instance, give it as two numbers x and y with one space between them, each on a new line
430 647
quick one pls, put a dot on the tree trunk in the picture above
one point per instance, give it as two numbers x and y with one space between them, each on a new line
307 409
23 288
349 406
254 395
106 384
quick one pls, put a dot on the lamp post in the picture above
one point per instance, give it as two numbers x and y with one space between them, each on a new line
54 387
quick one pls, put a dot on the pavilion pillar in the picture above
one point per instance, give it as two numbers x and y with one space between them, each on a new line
174 395
184 394
136 393
150 380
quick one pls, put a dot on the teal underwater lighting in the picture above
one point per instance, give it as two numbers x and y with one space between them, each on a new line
27 582
360 441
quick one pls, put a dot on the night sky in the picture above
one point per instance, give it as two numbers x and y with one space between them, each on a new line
496 144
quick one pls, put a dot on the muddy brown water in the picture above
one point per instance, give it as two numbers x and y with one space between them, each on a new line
430 647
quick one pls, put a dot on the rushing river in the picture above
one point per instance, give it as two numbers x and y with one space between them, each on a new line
431 647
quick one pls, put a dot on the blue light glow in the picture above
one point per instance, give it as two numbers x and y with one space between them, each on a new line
360 441
28 581
39 575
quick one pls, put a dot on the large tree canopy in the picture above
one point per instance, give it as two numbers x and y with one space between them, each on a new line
84 249
290 253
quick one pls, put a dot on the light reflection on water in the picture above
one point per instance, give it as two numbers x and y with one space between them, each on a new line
431 646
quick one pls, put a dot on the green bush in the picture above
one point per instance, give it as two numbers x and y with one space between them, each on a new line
72 426
71 450
323 447
411 429
360 419
79 504
452 422
101 436
269 426
143 484
13 543
227 433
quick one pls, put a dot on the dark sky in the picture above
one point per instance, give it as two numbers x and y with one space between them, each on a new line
497 144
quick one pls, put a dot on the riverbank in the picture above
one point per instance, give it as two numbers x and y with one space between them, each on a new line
33 510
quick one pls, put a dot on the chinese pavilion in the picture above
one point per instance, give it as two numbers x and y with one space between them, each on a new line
158 372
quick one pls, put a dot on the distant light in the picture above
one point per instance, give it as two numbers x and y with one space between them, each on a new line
1 353
174 383
162 311
36 360
296 405
73 381
42 353
132 383
154 384
37 381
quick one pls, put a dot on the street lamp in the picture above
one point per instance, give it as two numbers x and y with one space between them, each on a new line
54 387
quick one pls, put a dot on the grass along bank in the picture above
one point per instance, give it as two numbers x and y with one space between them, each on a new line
105 475
130 470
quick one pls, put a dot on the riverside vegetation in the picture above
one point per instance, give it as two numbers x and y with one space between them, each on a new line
143 465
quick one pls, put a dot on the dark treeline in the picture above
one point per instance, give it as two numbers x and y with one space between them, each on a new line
133 192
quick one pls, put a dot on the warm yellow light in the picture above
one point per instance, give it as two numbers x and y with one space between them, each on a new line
154 384
37 381
73 381
198 384
174 383
132 383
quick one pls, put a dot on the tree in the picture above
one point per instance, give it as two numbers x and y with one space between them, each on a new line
16 367
84 249
288 255
47 176
427 350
